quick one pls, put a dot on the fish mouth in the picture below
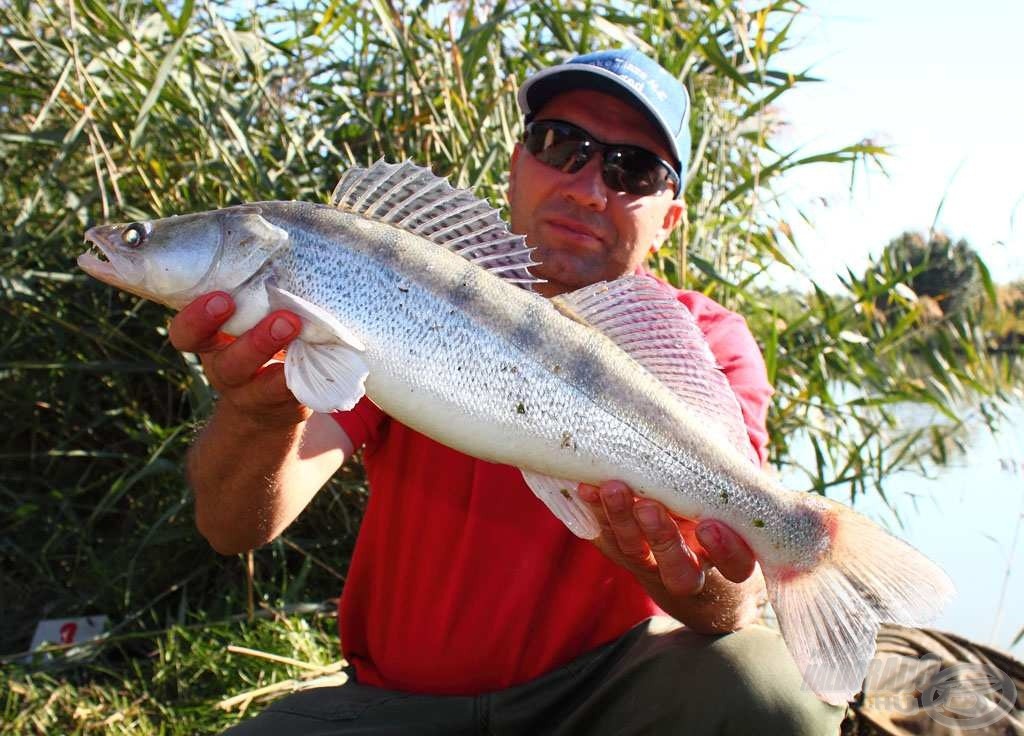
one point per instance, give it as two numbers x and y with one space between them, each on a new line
101 261
95 262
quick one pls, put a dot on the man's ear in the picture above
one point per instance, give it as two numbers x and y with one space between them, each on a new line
673 216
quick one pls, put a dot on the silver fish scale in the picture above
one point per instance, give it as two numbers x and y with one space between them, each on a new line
521 381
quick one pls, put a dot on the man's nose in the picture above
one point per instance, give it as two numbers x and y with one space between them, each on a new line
586 188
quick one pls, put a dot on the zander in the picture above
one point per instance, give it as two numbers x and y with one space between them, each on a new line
416 295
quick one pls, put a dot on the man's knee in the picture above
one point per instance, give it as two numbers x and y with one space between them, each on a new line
727 684
761 684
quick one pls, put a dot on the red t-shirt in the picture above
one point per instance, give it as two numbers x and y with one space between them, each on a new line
463 582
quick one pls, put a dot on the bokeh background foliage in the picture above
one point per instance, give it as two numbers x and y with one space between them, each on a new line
138 109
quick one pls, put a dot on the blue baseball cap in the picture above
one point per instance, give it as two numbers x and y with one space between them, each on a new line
632 77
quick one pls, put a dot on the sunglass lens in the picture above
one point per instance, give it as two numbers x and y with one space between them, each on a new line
635 171
558 146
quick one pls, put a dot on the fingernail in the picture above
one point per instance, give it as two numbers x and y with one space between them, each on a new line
709 536
698 586
648 515
217 306
587 493
281 329
616 499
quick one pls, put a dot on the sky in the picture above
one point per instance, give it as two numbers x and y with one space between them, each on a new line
942 85
939 83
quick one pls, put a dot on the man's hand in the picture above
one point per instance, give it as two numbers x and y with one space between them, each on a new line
262 456
240 369
696 572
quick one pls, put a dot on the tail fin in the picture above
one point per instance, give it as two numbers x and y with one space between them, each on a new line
829 615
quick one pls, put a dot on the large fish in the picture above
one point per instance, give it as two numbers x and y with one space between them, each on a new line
416 295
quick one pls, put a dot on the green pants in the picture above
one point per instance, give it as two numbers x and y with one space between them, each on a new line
658 678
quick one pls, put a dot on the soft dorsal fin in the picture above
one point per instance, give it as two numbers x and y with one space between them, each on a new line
652 327
411 197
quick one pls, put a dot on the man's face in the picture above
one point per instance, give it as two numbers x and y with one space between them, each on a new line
584 231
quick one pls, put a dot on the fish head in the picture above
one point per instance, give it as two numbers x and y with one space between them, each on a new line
173 260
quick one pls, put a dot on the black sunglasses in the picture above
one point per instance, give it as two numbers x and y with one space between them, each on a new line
629 169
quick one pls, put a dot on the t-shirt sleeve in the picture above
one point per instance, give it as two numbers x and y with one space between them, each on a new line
362 423
740 358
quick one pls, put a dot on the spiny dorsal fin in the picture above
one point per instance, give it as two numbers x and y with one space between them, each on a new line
411 197
659 333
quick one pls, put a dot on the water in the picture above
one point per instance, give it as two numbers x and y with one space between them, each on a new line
969 518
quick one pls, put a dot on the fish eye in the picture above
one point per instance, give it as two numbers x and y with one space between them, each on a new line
134 235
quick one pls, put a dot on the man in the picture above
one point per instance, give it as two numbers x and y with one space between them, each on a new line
469 608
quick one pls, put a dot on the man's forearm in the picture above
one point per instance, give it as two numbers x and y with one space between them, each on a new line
235 468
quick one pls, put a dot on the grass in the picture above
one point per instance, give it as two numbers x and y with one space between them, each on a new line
193 679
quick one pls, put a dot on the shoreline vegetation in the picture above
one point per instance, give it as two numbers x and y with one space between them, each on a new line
148 108
1007 320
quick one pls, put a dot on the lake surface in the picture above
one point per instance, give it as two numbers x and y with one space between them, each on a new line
969 519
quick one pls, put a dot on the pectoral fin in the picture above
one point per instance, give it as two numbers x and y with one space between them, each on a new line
325 377
560 496
324 365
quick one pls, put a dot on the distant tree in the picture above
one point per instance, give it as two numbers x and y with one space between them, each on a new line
937 268
1006 318
1012 298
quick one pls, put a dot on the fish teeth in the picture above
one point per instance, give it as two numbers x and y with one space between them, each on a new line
98 253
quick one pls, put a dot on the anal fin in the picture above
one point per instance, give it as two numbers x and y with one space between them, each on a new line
561 498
